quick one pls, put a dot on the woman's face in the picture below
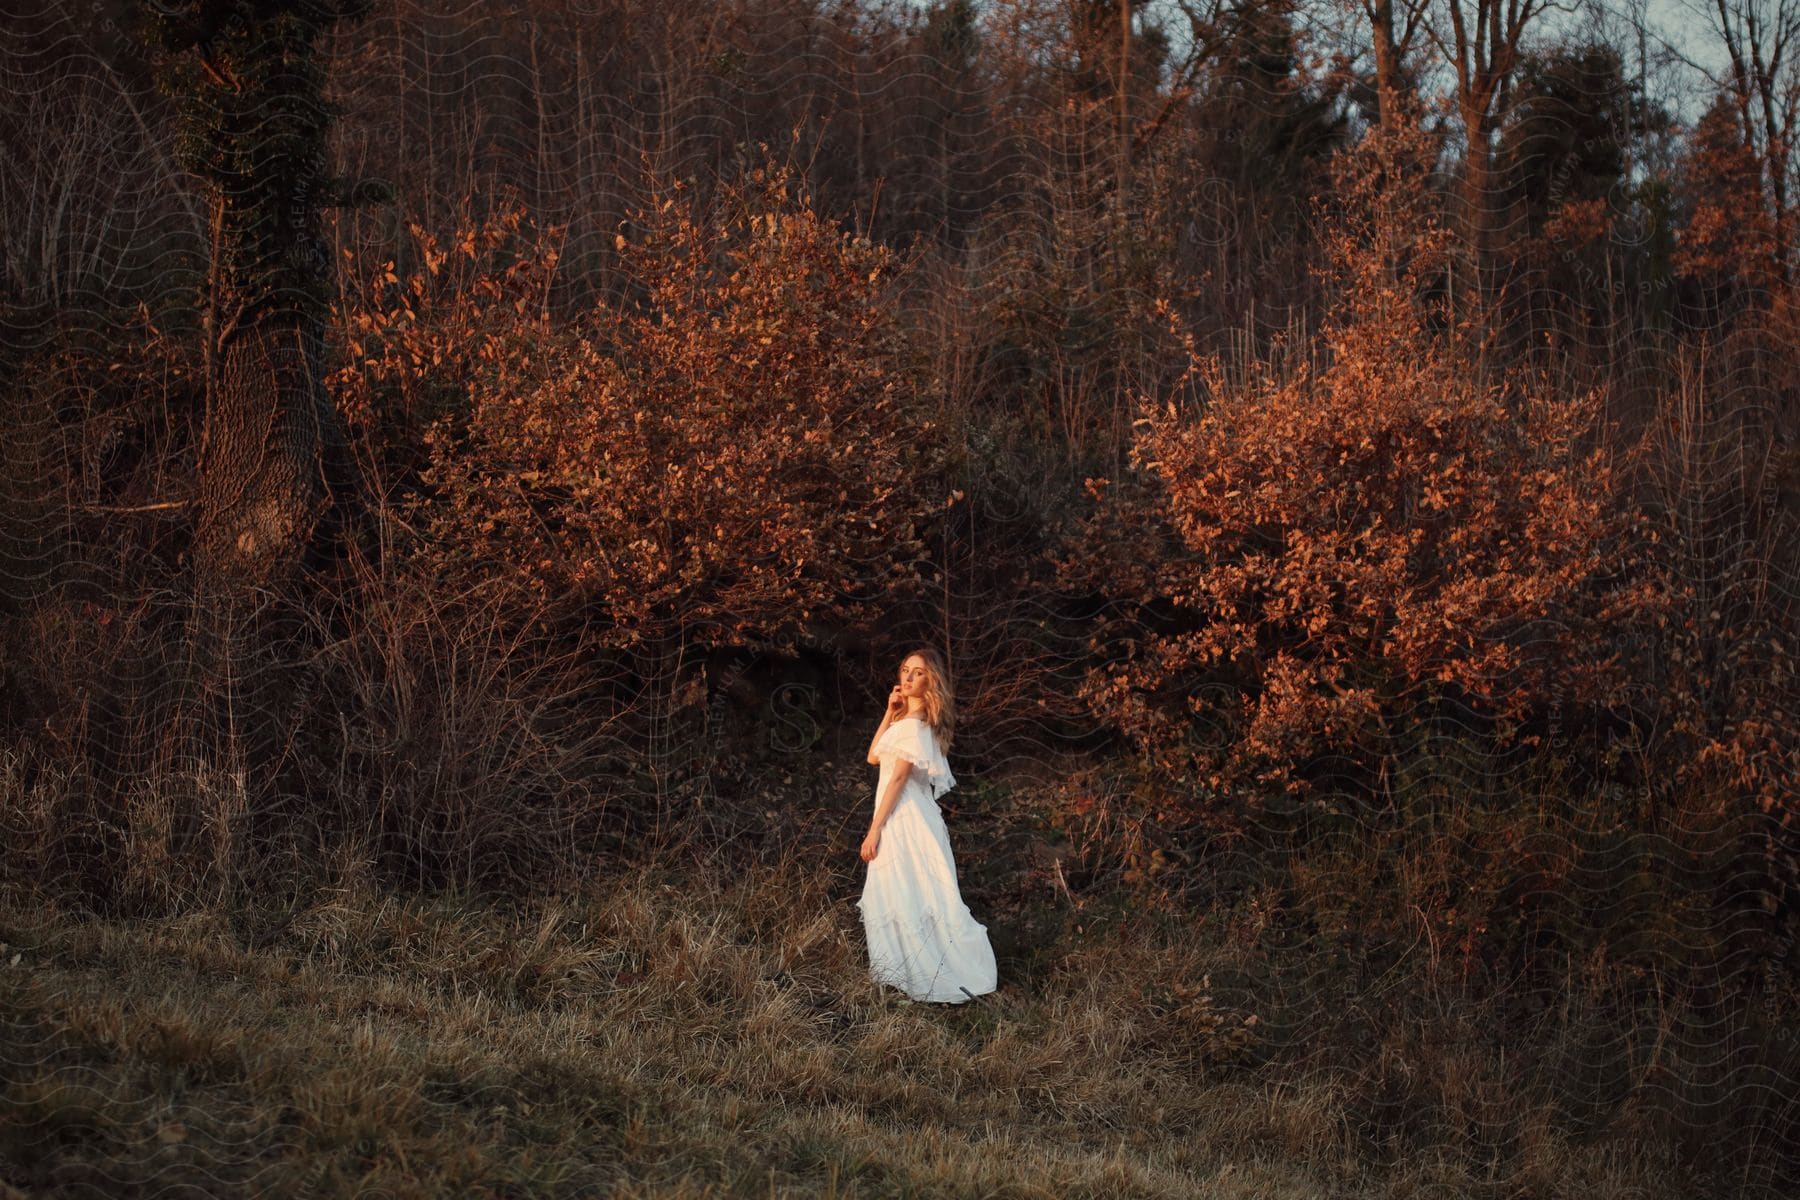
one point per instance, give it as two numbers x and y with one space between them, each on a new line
912 677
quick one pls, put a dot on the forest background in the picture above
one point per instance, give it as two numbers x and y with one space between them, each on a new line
469 474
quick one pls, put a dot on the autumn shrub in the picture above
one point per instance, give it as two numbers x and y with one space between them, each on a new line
1323 554
584 510
422 331
736 450
1718 664
1728 241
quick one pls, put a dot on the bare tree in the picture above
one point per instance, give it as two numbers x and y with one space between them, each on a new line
1392 29
1482 45
1759 36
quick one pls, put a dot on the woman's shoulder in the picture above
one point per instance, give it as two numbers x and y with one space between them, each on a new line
927 729
914 727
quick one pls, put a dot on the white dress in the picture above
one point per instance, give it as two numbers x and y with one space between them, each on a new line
922 938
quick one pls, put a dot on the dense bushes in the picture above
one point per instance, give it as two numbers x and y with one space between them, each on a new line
747 447
1334 549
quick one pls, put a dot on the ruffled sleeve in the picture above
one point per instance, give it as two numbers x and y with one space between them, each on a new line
912 740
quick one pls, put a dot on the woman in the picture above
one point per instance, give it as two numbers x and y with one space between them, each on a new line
922 938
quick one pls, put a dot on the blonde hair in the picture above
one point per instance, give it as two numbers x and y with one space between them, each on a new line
940 696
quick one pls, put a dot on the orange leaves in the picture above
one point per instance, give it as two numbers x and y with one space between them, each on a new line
721 456
1578 222
1730 234
1333 541
423 333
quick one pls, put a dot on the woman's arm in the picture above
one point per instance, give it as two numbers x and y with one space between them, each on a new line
887 718
888 799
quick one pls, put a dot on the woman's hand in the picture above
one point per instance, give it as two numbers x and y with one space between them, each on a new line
896 704
870 845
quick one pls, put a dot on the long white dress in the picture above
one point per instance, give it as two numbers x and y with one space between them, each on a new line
922 937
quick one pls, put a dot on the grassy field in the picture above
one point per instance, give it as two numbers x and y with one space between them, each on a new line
687 1033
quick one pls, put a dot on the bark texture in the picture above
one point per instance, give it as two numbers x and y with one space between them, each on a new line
270 445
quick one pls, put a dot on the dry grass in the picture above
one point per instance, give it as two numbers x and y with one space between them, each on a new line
691 1034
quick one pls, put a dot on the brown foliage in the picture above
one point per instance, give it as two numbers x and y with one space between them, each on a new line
1342 544
1718 664
420 340
743 450
1730 234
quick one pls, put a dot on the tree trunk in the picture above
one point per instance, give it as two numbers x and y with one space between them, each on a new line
271 456
1387 65
255 129
1477 184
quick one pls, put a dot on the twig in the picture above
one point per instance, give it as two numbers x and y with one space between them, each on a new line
136 508
1056 865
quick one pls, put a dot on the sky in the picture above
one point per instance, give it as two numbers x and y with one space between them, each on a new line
1677 27
1685 28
